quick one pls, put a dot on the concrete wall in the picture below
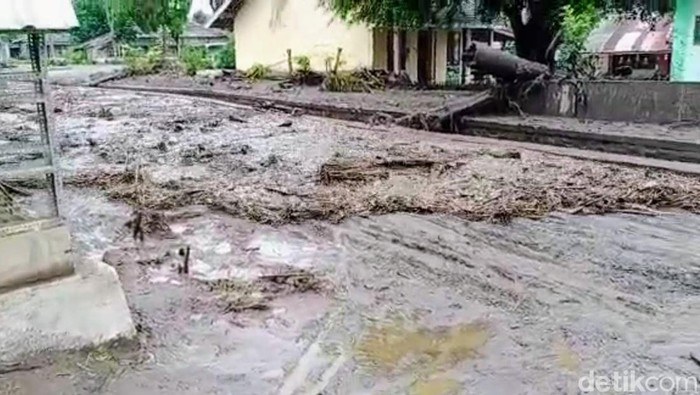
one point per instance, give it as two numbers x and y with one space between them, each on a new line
440 61
640 101
4 52
264 30
412 54
380 54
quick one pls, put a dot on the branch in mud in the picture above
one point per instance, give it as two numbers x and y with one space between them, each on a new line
447 118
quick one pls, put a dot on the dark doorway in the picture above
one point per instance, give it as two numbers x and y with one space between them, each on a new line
402 51
425 56
390 51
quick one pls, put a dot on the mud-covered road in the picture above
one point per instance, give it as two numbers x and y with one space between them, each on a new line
328 257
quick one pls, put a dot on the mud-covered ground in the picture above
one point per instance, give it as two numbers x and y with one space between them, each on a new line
402 100
330 257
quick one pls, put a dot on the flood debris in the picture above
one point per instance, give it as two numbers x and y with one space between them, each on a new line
185 254
10 211
122 185
237 295
148 222
7 367
501 153
336 171
235 118
271 160
102 113
371 173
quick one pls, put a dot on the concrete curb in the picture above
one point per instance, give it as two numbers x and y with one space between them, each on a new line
322 110
34 256
614 144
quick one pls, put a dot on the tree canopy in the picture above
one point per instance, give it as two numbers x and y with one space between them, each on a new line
536 24
122 16
92 16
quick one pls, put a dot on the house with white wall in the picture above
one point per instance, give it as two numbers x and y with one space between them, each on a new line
265 30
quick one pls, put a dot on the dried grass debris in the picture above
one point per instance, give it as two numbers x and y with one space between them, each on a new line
237 296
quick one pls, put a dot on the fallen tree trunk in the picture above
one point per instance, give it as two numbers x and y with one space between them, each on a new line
447 118
502 64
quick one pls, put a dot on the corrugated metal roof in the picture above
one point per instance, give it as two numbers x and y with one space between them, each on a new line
630 36
39 14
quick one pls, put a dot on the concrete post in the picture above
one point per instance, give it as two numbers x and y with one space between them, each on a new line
397 52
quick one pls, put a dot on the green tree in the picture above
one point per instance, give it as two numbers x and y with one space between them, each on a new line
97 17
92 20
536 24
164 16
577 22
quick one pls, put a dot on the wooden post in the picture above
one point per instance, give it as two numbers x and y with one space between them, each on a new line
336 66
290 68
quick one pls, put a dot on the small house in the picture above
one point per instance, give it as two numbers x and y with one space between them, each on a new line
265 30
102 47
57 44
632 49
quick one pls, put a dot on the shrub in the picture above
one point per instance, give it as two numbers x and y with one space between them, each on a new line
140 62
77 56
257 71
194 59
303 64
225 58
58 62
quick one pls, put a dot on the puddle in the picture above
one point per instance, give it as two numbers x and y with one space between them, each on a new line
438 386
394 347
289 249
229 248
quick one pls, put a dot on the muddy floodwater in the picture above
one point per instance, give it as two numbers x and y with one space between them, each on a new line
309 281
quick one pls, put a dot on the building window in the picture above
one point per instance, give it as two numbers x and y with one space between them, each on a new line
696 37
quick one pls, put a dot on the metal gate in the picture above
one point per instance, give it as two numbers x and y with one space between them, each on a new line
27 158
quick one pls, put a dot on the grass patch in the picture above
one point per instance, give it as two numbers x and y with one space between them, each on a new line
194 59
257 71
143 62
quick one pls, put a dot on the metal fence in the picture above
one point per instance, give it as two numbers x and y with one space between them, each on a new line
30 184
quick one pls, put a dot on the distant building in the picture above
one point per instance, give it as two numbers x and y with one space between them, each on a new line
264 30
57 44
632 49
685 66
102 47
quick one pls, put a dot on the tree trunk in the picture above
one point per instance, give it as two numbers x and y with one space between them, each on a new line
533 39
110 22
502 64
164 40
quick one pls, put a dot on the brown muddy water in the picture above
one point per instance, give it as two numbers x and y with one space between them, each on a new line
409 303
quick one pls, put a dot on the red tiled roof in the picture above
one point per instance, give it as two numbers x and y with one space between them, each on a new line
631 36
